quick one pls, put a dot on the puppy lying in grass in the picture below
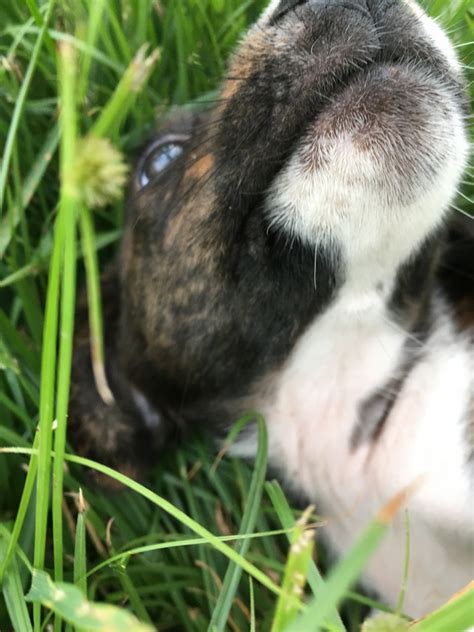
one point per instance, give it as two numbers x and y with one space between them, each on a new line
292 251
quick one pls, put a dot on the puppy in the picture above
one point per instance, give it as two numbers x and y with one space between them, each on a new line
292 251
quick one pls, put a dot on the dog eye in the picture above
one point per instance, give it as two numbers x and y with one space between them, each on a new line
158 158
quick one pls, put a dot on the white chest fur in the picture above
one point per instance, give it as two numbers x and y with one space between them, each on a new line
344 358
340 361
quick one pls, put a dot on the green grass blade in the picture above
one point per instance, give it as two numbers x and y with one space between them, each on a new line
48 374
30 185
22 509
132 82
68 209
340 580
136 601
252 606
108 124
406 566
94 21
95 304
120 558
249 518
39 21
11 438
13 594
458 614
20 104
296 573
80 551
287 520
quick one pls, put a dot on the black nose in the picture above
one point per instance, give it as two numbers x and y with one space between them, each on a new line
285 6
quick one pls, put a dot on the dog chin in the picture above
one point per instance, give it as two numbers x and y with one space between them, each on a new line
366 168
383 157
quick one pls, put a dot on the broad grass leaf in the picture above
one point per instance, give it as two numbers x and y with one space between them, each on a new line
69 603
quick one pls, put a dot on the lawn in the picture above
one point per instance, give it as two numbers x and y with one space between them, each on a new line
205 545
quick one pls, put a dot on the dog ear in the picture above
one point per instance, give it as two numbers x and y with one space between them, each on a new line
111 433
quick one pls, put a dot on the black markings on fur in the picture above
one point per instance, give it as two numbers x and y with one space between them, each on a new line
456 272
239 321
285 7
446 261
410 306
415 282
455 275
374 412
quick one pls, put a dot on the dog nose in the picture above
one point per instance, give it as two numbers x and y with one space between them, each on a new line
286 6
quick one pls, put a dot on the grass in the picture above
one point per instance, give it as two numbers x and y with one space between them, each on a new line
198 548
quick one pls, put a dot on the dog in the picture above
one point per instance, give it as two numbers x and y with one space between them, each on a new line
291 250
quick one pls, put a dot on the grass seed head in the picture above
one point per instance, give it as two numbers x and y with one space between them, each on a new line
101 172
385 623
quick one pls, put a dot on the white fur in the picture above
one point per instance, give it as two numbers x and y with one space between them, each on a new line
344 358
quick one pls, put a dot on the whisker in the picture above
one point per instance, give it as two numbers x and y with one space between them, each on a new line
464 213
471 200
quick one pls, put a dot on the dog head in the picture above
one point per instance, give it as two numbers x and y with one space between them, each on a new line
326 167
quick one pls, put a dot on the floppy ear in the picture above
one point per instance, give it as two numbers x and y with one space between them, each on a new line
113 434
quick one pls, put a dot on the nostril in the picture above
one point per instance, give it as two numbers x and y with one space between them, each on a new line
357 5
285 6
363 6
